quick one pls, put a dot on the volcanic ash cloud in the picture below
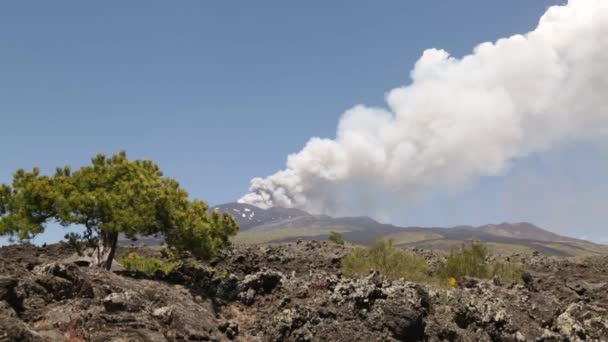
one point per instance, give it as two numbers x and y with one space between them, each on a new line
460 119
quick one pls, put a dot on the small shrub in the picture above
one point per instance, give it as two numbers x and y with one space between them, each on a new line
147 266
195 264
508 272
220 274
472 262
336 237
392 262
468 261
74 241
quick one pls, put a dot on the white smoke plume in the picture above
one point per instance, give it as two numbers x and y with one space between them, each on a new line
460 119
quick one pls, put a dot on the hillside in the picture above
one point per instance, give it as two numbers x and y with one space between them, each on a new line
277 225
250 216
288 225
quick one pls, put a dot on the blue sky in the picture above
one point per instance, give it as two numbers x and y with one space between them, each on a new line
220 92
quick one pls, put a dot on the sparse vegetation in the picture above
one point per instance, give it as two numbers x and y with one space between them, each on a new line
147 266
336 238
508 272
395 263
472 261
390 261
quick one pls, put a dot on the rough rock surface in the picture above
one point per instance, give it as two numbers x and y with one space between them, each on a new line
292 292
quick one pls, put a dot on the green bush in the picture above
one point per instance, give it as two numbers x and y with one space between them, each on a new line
392 262
467 261
336 237
74 240
147 266
472 262
508 272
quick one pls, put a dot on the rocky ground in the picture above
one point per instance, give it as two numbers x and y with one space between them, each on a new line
292 292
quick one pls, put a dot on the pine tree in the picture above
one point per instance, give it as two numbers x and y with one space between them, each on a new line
109 197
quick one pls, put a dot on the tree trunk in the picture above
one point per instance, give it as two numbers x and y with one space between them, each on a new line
106 249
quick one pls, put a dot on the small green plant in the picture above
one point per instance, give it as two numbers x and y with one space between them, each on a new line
74 240
472 262
508 272
220 274
147 266
390 261
336 238
467 261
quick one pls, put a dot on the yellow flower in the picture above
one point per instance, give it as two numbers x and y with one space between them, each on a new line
452 281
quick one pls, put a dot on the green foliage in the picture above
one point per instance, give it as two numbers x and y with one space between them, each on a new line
508 272
392 262
200 232
336 237
195 264
111 196
27 205
220 274
468 261
147 266
472 262
5 195
75 241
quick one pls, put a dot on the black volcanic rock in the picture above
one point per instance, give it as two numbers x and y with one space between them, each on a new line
293 292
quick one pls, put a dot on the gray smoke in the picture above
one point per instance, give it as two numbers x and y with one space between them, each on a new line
460 119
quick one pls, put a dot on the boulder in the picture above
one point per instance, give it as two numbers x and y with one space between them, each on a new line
125 301
261 282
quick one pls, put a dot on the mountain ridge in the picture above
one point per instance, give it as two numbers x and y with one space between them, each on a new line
284 225
278 225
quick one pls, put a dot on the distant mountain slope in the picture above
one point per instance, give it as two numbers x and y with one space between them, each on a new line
446 238
286 225
354 229
523 230
250 216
